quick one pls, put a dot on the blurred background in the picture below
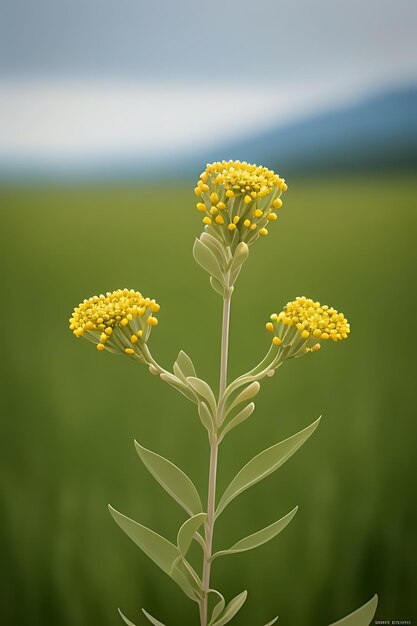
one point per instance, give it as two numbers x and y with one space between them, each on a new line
108 113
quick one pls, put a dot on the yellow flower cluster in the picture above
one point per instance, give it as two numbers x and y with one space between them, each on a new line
119 321
303 322
239 199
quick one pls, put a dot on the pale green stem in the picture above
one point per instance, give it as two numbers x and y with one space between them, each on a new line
214 447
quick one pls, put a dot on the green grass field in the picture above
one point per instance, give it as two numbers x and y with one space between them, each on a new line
69 413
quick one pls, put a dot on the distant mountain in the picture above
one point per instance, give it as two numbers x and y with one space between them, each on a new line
375 133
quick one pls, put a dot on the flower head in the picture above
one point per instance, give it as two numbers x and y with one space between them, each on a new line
120 321
238 199
304 323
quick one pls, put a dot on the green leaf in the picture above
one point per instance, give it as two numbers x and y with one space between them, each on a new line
205 416
272 621
232 608
207 259
247 394
240 256
361 617
185 365
217 285
172 479
216 247
218 608
260 537
187 531
160 550
186 578
152 620
264 464
127 621
175 382
204 391
238 419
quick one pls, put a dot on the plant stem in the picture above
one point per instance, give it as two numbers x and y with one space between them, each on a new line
214 448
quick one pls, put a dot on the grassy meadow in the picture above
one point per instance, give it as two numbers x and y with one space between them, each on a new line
70 414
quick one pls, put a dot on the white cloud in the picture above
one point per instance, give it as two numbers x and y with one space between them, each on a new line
60 122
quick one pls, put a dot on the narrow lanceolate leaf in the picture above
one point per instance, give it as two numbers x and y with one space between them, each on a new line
219 607
216 247
188 581
187 531
127 621
272 621
202 389
232 608
240 256
247 394
361 617
185 365
160 550
207 259
177 383
237 419
217 285
152 620
205 416
264 464
172 479
260 537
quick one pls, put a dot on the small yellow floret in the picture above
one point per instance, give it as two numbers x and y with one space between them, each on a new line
258 213
201 206
230 194
269 326
277 341
198 191
100 346
152 321
263 231
231 226
305 334
236 219
134 339
219 219
129 351
272 217
221 206
206 220
277 204
214 210
247 199
316 347
214 198
247 223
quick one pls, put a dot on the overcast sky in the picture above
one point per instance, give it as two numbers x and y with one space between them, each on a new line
234 63
233 41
